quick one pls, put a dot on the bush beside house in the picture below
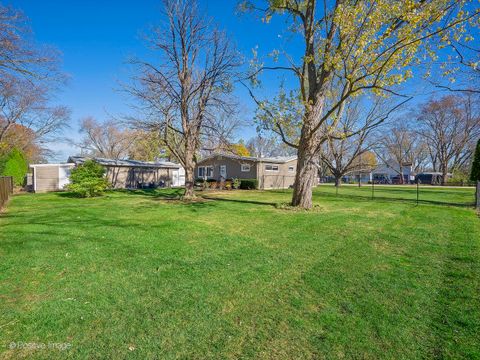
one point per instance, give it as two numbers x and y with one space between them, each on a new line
244 184
88 179
248 184
14 164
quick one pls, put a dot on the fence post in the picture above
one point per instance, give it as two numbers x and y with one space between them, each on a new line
6 189
418 182
373 189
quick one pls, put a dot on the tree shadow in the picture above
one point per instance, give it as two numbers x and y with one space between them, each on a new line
167 193
67 194
243 201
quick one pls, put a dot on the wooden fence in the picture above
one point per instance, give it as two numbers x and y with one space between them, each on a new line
6 189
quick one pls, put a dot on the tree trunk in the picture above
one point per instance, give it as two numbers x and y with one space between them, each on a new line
444 175
338 181
305 176
189 175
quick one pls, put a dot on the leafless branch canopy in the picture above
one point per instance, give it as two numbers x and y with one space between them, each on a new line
184 91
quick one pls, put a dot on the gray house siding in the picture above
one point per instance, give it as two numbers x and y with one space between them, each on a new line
281 179
127 177
233 168
280 174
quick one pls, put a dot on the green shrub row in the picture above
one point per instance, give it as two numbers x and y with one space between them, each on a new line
245 184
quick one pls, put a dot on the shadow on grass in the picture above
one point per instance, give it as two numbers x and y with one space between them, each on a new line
172 194
71 195
176 195
245 201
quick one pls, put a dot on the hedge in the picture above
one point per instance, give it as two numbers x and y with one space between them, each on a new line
248 184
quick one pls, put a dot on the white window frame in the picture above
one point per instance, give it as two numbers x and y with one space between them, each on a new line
291 169
271 167
245 167
207 168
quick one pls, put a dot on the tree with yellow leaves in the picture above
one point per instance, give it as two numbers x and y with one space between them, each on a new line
239 149
349 48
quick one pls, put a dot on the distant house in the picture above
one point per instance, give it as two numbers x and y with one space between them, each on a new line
121 174
389 172
432 178
271 172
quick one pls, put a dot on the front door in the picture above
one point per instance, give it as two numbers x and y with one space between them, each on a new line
223 171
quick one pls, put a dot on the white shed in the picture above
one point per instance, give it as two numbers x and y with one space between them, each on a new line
50 177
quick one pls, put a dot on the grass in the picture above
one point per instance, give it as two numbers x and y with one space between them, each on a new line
140 275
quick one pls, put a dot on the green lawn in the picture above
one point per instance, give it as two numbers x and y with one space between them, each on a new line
138 275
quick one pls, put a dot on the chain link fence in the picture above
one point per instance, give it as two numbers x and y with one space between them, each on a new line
417 193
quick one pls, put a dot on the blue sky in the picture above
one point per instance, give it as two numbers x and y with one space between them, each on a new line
97 37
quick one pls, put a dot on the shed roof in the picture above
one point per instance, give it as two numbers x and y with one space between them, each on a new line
125 163
274 159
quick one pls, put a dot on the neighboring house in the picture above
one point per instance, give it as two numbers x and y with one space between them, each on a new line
120 173
271 172
432 178
389 172
353 177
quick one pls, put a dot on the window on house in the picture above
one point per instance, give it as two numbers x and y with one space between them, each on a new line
270 167
209 170
245 167
291 169
205 171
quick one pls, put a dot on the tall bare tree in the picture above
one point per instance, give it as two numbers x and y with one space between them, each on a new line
24 104
349 153
401 146
29 75
19 54
349 47
184 93
450 127
265 145
106 139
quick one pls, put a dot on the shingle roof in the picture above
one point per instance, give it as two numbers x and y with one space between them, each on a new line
125 163
275 159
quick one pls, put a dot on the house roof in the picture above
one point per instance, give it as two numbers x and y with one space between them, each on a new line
125 163
275 159
433 173
47 164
